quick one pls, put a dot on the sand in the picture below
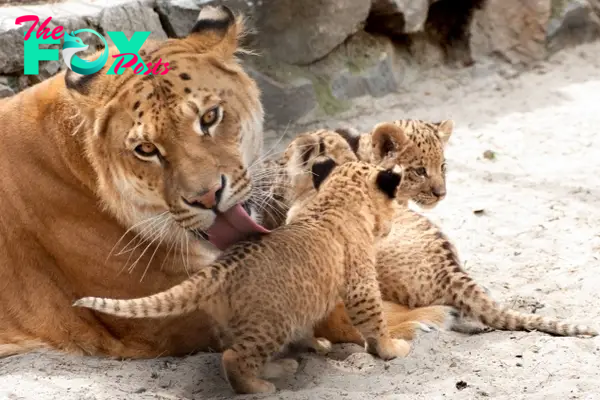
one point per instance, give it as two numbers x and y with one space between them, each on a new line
536 246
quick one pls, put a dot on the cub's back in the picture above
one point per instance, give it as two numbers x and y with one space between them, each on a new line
294 268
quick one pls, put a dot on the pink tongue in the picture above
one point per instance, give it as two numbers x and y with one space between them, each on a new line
232 226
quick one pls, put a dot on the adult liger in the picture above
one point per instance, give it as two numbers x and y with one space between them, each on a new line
111 184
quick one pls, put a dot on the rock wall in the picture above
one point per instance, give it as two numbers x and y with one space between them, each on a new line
318 55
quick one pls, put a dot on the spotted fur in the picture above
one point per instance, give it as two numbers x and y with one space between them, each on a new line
265 292
422 154
417 264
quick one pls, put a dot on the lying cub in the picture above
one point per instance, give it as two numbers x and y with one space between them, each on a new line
272 289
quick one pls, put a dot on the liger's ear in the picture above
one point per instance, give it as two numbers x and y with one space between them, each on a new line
216 30
445 129
388 181
321 170
387 139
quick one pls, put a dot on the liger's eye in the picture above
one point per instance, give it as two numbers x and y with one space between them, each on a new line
421 171
146 150
209 118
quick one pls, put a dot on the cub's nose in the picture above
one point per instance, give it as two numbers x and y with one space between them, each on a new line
205 199
438 192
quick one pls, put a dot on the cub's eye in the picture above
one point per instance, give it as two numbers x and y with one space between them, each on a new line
444 167
146 150
421 171
209 118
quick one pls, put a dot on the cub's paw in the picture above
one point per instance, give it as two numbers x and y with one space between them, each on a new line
388 348
321 346
257 386
278 368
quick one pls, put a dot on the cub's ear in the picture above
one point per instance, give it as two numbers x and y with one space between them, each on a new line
350 135
301 151
388 181
387 140
445 129
321 170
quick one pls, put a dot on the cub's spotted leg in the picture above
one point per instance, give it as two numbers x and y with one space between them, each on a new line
242 367
364 306
248 359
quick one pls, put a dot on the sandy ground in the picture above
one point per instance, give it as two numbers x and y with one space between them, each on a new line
535 246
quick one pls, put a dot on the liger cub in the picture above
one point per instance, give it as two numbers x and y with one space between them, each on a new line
417 264
272 290
421 152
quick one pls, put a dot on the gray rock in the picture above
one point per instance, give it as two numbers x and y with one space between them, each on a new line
286 100
301 32
5 88
513 30
71 15
364 65
11 50
129 18
573 22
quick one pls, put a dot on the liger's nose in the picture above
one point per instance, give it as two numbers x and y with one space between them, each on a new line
206 199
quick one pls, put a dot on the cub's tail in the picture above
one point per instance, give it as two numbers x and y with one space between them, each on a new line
472 300
190 295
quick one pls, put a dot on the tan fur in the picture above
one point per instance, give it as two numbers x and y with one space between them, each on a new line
346 145
426 270
73 191
270 291
417 265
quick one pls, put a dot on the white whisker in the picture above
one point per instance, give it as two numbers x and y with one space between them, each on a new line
143 234
175 232
145 221
166 227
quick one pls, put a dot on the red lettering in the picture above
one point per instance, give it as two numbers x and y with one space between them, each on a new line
157 66
138 68
166 69
148 71
57 33
26 18
42 30
128 64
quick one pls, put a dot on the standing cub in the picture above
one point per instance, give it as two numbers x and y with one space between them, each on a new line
271 290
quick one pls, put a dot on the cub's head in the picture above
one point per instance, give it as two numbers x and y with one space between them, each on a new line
417 146
179 143
359 188
309 161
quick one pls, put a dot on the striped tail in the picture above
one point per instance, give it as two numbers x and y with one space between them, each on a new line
472 300
190 295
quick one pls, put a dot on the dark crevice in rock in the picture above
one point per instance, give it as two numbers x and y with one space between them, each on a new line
165 23
447 26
